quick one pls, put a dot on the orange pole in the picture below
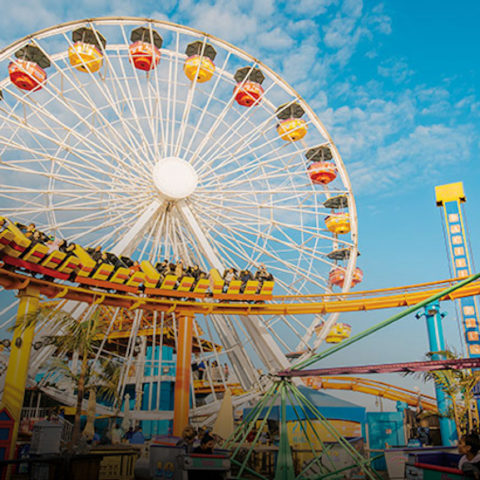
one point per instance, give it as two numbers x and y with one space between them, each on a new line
181 402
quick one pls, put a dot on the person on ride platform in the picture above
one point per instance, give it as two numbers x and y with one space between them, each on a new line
469 447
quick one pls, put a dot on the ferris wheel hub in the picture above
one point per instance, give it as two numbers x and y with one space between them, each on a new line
174 178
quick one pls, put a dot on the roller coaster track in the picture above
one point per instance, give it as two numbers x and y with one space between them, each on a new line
280 305
355 384
372 387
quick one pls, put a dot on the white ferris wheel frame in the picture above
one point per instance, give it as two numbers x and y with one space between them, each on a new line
262 334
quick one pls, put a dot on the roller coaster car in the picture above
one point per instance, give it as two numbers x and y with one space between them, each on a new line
18 242
250 292
6 236
167 287
35 258
152 276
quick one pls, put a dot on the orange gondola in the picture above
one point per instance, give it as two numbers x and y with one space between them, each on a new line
337 276
249 89
27 71
145 49
322 172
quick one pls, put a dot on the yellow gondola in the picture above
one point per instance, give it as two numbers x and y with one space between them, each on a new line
338 333
338 223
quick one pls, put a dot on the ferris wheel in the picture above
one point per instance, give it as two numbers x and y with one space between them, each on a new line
154 140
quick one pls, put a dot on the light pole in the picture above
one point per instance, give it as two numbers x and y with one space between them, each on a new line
433 317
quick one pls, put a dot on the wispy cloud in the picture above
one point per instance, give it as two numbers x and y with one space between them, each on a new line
386 125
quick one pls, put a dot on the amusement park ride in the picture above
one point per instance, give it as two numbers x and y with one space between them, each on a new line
155 141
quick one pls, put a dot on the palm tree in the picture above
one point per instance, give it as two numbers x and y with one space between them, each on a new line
78 337
458 385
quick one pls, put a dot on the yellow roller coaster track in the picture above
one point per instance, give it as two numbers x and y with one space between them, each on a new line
280 305
354 384
372 387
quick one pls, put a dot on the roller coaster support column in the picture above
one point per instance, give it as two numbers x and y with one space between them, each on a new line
181 402
17 370
437 344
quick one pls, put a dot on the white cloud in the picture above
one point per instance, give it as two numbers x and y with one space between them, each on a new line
397 70
276 39
311 44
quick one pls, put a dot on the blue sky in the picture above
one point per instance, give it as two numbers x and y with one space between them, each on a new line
396 85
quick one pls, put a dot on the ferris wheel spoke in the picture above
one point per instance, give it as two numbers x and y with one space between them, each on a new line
238 170
116 139
246 140
107 95
148 109
185 243
206 137
159 108
274 332
157 242
81 203
205 243
147 238
57 95
47 157
210 154
242 117
189 101
257 220
40 114
275 172
97 216
268 204
229 247
173 80
239 166
62 145
127 96
132 235
246 242
300 327
224 139
47 175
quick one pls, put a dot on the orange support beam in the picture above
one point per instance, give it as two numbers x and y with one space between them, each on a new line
181 403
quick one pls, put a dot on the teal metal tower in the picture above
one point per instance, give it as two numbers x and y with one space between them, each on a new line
436 341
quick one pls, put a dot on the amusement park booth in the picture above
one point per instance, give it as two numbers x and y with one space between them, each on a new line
347 418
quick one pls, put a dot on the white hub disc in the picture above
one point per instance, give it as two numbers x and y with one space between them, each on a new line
174 178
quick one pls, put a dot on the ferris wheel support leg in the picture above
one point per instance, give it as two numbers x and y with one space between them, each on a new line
181 401
131 239
240 361
268 351
264 345
17 370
